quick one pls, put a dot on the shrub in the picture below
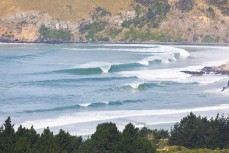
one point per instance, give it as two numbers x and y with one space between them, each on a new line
126 24
102 39
208 39
158 10
113 32
223 5
195 38
133 35
99 12
151 14
53 34
185 5
92 29
210 13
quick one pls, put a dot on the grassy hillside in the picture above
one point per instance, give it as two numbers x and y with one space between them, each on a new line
62 9
201 21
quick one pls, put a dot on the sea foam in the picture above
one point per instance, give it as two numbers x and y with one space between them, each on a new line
92 116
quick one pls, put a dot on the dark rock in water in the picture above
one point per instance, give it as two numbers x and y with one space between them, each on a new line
209 70
217 70
206 69
194 73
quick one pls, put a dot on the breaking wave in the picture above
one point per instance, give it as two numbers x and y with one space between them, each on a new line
84 105
140 85
100 69
85 117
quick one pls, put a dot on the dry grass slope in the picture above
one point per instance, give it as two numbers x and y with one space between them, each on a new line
62 9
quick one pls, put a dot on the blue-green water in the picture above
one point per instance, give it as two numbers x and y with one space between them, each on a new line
75 87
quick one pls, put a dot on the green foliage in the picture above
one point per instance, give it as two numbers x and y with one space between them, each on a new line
176 149
131 142
126 23
195 38
160 134
223 5
114 32
208 39
7 137
197 132
190 133
139 10
8 35
92 29
210 13
158 10
106 139
68 142
133 35
99 13
185 5
104 39
150 15
53 34
28 141
157 134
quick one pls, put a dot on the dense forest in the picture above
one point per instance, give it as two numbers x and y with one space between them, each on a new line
191 132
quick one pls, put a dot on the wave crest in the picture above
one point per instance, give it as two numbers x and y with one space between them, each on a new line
84 105
85 117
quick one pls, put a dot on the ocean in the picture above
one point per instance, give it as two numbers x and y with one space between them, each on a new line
77 86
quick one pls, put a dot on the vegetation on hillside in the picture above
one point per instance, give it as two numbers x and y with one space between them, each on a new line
223 5
193 134
130 20
149 16
185 5
92 29
134 35
53 34
139 28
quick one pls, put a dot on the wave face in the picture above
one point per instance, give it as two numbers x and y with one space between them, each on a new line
99 70
77 86
141 85
84 105
160 54
82 71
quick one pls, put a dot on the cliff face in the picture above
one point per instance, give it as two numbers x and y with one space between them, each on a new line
99 20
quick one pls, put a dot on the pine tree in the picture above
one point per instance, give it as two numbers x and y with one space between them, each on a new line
8 134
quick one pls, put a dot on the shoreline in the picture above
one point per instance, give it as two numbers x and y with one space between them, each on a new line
120 42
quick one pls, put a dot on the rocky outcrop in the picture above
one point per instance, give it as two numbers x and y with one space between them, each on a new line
222 69
24 27
194 73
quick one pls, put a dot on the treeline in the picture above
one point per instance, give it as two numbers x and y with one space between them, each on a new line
106 139
191 132
199 132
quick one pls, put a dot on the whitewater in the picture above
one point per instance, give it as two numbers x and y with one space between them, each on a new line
77 86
